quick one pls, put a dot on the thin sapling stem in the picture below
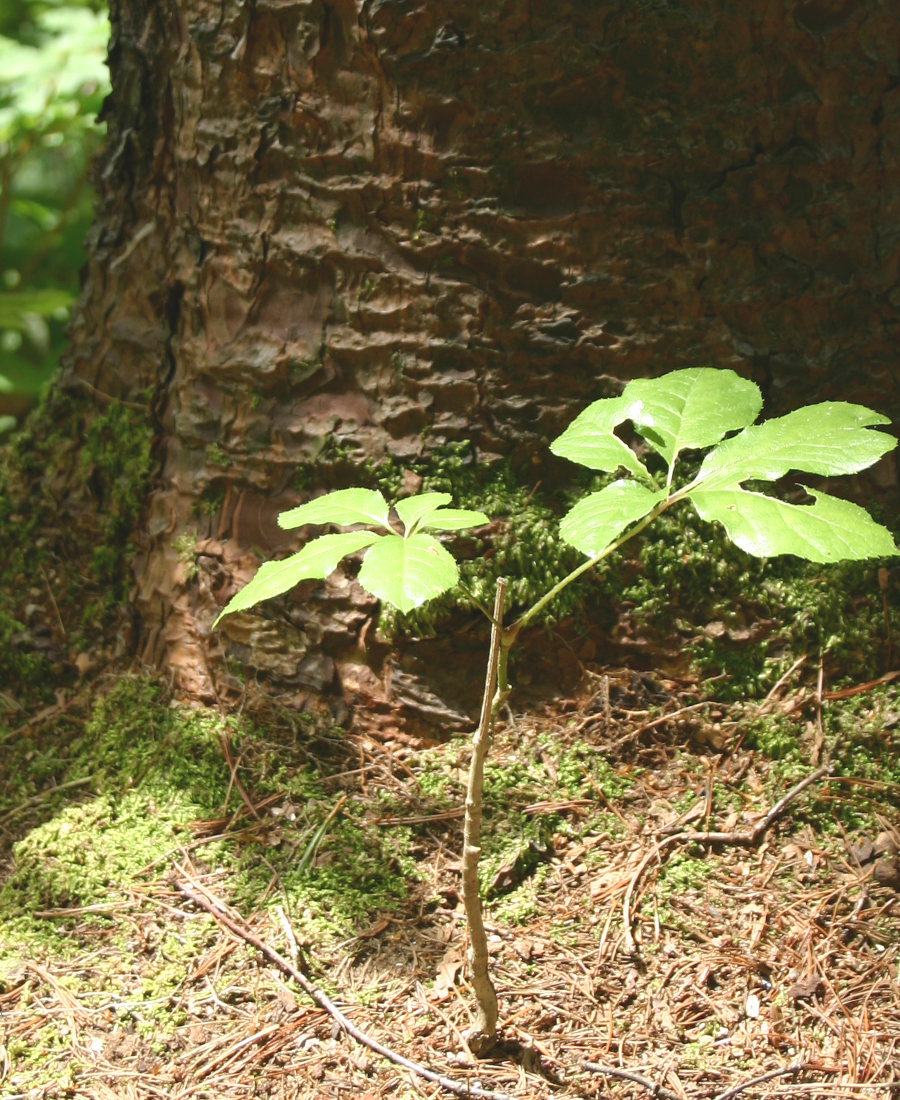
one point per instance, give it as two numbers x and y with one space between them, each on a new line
483 1034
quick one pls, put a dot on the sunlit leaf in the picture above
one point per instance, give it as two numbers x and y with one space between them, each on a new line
828 439
827 531
37 212
601 517
46 84
413 509
317 560
408 572
454 519
342 508
589 439
428 510
690 408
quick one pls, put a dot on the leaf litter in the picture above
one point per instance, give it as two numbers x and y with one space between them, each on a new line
773 967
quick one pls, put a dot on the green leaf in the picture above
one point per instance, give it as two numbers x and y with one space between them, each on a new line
342 508
829 530
408 572
317 560
828 439
589 439
690 408
454 519
413 509
428 510
598 519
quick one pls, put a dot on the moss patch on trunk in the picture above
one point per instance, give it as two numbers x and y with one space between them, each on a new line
73 484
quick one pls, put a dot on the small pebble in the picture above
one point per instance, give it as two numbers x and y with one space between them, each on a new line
884 845
886 872
863 850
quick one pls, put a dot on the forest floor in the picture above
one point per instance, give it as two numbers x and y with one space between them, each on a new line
777 960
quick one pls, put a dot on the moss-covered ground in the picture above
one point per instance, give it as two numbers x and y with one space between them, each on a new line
108 976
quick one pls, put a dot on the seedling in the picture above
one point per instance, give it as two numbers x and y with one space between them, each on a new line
687 410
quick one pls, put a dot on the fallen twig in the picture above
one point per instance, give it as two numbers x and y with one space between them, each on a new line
786 1071
845 693
235 779
217 909
422 819
44 715
668 717
37 799
546 807
629 1075
658 1090
769 702
748 839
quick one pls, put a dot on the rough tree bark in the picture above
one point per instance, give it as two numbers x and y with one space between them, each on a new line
329 230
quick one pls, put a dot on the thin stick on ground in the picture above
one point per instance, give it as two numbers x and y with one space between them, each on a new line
636 1078
766 705
786 1071
748 839
218 911
44 796
657 1090
483 1034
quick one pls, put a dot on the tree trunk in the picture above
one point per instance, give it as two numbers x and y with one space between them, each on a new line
333 234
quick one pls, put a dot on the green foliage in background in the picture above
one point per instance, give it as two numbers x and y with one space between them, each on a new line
53 79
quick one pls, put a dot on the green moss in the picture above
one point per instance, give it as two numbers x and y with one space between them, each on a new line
436 787
512 839
778 738
681 873
581 770
680 575
116 456
88 849
688 574
153 770
19 666
184 546
523 545
519 844
358 870
217 456
73 483
522 903
210 501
